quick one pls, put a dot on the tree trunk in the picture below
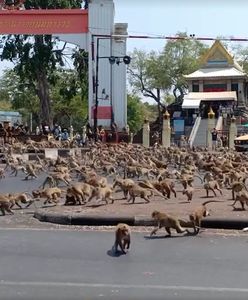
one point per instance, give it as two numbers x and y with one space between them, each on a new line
43 94
43 88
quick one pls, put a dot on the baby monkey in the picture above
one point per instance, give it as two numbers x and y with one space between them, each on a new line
122 237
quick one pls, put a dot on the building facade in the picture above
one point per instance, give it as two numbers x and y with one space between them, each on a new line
220 81
103 41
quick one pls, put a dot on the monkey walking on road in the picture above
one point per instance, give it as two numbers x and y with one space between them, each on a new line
168 222
122 237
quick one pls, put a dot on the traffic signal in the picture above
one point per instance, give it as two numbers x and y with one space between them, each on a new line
112 60
126 60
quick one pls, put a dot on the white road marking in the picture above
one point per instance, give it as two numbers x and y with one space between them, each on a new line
123 286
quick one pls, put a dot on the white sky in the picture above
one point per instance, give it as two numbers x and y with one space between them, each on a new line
209 18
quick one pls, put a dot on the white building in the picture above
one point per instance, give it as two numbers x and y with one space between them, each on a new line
111 90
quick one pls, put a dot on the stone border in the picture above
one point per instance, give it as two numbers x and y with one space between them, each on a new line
98 220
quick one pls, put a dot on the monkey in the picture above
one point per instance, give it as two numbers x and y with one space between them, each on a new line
131 171
141 171
61 169
137 191
237 187
38 167
2 175
200 212
109 169
50 181
242 197
189 192
79 190
15 168
70 199
155 186
208 177
61 177
187 179
122 237
5 205
97 182
166 221
124 184
102 193
165 186
30 172
51 194
16 198
212 185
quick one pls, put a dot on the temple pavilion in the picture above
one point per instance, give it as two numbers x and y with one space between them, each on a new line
220 83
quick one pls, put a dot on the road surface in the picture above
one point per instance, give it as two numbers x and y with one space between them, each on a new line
56 264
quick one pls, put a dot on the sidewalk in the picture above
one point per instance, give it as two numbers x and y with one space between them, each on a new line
223 216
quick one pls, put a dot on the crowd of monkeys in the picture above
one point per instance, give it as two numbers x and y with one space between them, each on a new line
137 171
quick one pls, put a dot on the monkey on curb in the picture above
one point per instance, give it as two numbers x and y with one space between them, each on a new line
5 205
242 198
200 212
122 237
237 187
166 221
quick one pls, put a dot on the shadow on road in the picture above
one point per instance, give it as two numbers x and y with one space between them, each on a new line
112 253
156 237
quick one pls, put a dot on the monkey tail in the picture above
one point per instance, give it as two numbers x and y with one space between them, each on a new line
197 176
209 201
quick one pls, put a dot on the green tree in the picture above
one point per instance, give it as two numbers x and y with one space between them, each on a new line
37 57
156 75
137 112
145 76
180 57
18 95
69 99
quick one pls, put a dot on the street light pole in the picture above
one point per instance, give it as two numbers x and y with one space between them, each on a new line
96 89
112 60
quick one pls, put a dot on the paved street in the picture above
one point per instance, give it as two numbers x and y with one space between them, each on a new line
43 264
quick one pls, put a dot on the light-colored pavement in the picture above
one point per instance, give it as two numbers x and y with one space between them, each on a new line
81 265
178 206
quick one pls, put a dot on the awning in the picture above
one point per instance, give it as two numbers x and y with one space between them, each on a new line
213 96
191 103
242 138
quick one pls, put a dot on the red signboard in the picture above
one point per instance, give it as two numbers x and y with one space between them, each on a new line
103 112
214 89
47 21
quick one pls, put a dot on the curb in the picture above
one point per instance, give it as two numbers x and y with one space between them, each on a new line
222 223
98 220
92 220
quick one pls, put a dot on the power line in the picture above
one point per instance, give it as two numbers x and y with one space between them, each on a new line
162 37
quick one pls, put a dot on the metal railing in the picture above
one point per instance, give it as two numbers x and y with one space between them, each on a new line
194 131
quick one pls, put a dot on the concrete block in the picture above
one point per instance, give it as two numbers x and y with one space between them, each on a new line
51 153
34 156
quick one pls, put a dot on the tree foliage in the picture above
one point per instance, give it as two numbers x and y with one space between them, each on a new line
155 75
37 57
137 112
16 94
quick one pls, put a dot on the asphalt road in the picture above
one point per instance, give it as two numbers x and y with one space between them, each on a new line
53 264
